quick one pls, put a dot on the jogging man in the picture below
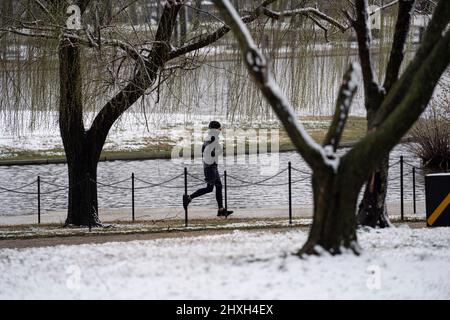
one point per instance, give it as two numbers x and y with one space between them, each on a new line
210 152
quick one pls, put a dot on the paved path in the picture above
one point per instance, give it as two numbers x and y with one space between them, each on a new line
97 239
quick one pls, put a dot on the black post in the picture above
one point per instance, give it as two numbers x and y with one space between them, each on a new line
88 177
186 193
401 189
414 189
39 198
132 196
225 184
290 193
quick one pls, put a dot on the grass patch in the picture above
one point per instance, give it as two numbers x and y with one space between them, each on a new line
355 129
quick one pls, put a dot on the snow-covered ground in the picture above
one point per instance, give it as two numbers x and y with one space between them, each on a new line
399 263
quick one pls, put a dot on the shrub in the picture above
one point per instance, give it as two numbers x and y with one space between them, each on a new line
431 134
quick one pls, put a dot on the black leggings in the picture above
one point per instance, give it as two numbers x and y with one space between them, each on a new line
212 179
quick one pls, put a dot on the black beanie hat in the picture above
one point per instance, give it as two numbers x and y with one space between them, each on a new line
214 125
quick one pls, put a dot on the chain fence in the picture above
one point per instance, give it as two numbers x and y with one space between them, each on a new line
238 182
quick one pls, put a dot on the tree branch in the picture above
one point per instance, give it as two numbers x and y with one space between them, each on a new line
256 63
204 12
45 9
398 45
420 80
433 34
144 78
346 93
325 30
218 34
386 6
89 41
26 34
94 43
305 11
125 7
371 90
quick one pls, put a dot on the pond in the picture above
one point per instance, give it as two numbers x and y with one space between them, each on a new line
272 193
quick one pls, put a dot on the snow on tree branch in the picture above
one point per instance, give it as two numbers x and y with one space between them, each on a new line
307 12
344 101
401 33
212 37
411 94
361 25
257 65
386 6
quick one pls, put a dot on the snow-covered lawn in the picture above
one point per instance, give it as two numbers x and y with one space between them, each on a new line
399 263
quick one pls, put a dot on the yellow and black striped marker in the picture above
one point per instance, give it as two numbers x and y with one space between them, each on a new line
437 189
439 210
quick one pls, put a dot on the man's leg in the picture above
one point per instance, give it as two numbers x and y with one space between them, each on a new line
210 178
187 199
209 188
219 196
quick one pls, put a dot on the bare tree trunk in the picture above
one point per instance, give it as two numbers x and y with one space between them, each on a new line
338 180
83 202
80 151
372 210
334 223
83 147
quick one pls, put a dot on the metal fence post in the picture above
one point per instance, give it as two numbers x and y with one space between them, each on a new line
186 193
414 188
88 178
132 196
290 193
39 198
402 208
225 184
